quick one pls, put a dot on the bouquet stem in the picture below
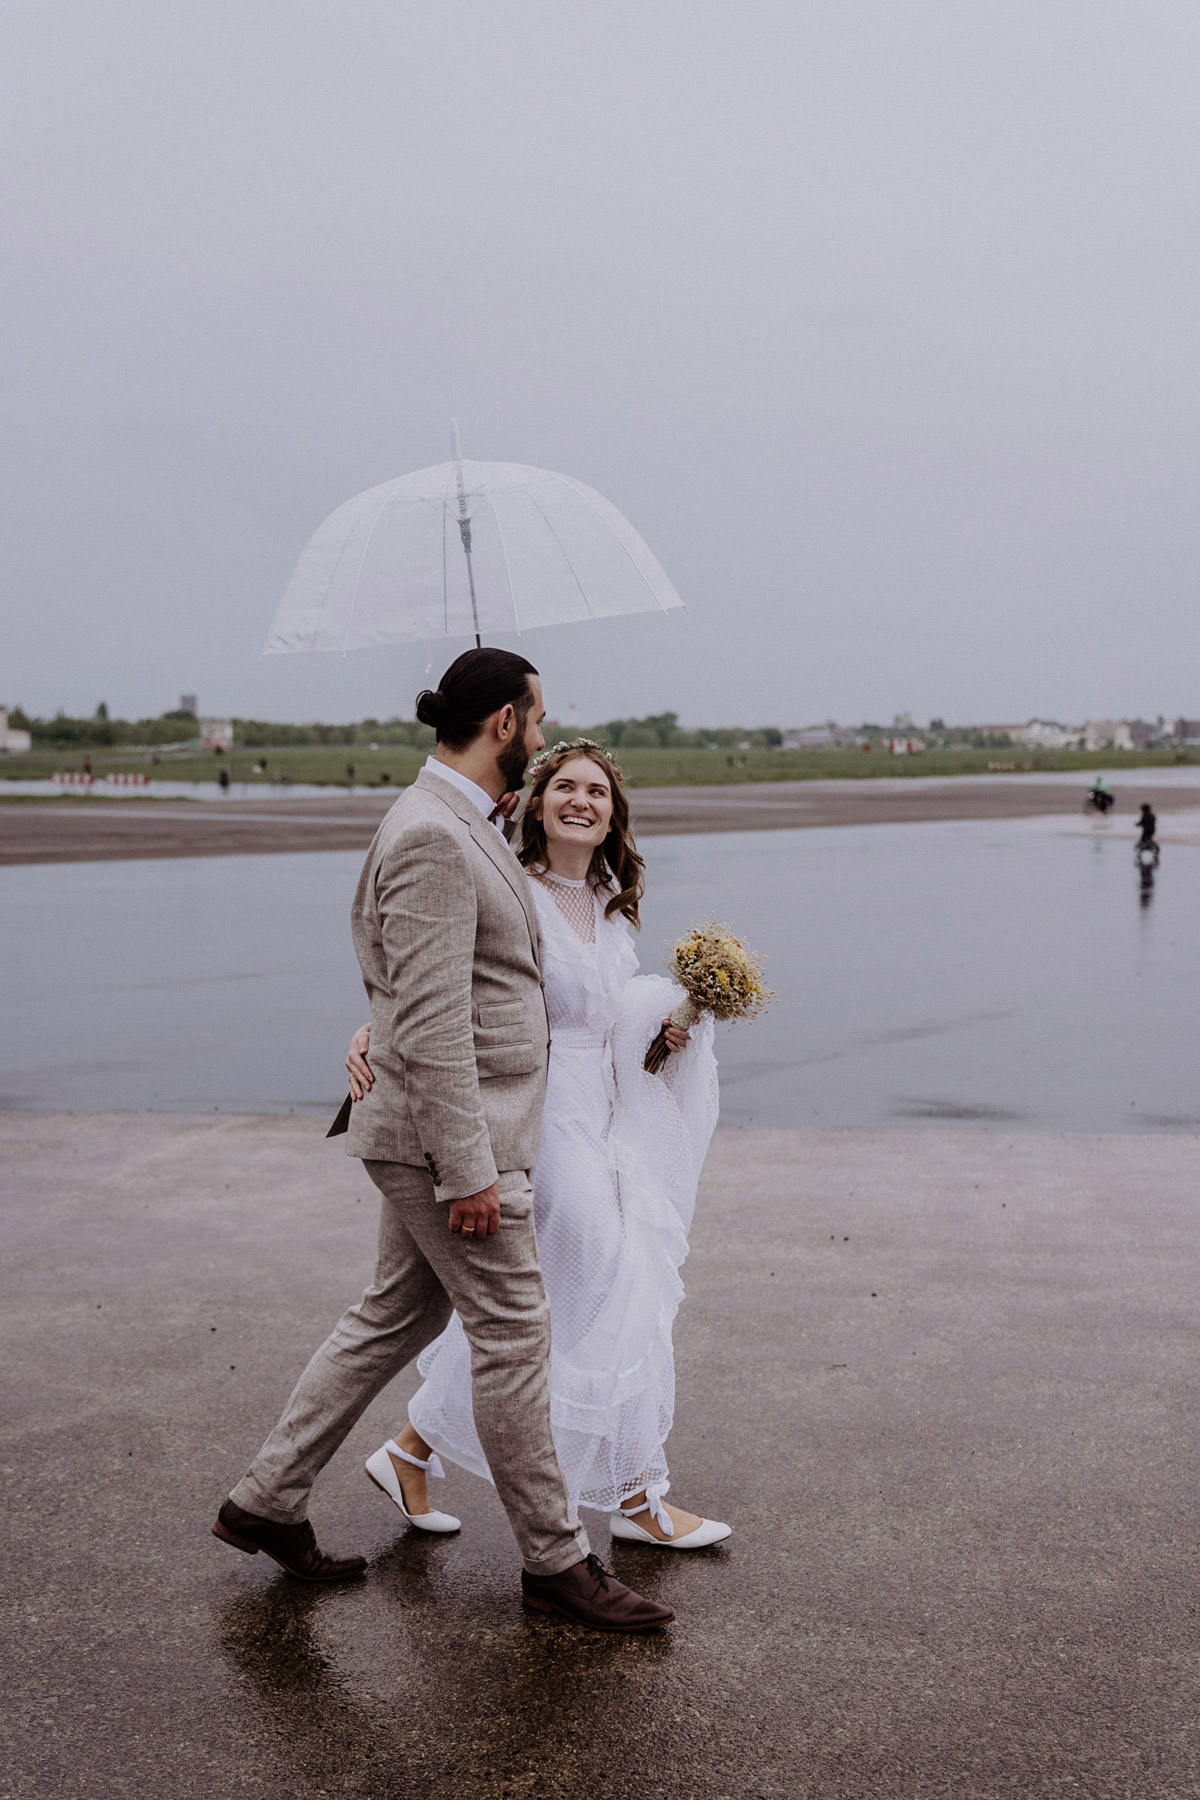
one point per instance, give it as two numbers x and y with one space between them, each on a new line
657 1056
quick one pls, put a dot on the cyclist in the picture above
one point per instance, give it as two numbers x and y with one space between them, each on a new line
1100 795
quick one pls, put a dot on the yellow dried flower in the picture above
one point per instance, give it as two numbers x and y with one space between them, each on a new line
719 976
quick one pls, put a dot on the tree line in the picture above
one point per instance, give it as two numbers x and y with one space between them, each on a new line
662 730
654 731
180 727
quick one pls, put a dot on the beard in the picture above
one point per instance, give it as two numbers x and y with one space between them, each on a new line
512 763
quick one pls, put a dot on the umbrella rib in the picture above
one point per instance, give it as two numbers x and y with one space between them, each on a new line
563 548
445 570
328 586
383 506
567 482
512 598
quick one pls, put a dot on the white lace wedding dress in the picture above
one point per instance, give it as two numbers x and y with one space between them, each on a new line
614 1191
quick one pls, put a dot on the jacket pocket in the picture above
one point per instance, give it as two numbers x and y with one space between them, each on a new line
502 1015
497 1056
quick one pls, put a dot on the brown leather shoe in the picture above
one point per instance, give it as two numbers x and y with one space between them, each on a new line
592 1596
293 1547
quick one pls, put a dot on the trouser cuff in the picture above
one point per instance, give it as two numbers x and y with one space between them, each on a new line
251 1500
565 1560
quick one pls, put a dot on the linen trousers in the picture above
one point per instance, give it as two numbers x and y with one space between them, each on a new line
423 1273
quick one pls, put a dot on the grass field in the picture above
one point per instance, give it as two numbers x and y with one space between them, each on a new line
397 765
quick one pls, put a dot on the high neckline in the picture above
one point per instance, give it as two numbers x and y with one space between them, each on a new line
562 880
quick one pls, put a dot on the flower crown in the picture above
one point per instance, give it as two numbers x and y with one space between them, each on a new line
582 743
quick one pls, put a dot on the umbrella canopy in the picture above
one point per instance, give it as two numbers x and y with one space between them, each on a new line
463 549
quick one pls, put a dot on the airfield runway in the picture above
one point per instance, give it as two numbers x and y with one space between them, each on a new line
942 1384
107 830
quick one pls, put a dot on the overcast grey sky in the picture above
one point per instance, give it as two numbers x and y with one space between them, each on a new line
879 321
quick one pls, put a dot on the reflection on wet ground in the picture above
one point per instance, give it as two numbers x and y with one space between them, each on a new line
1008 973
941 1384
432 1691
1011 972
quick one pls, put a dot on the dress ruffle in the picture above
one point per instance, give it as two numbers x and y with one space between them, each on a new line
614 1193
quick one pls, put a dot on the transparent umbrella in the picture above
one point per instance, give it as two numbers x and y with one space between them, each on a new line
461 550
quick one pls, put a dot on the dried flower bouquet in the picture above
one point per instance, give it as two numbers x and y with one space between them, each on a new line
719 976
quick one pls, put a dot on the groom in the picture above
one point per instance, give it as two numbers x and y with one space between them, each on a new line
447 939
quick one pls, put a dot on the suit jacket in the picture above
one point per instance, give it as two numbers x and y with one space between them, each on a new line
448 941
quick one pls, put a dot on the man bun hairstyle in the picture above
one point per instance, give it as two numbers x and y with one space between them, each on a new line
476 685
432 708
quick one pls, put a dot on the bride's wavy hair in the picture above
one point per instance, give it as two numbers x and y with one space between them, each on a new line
616 865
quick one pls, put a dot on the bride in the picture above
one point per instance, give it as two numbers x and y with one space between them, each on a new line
613 1191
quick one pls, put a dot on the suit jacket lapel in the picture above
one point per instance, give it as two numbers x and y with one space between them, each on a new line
495 847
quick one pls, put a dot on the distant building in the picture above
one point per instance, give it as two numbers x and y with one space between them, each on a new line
1143 733
810 737
1047 734
12 739
189 703
819 737
1187 731
216 734
1108 734
903 722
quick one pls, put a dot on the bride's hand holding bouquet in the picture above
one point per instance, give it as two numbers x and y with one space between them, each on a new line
719 976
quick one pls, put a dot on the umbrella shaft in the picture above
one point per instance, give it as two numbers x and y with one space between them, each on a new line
464 524
464 529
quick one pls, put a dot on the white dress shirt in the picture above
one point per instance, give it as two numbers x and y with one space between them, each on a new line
479 797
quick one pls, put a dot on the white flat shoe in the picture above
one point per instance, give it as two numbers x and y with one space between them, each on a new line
622 1525
382 1471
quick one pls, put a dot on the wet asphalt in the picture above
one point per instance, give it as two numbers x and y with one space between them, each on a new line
942 1384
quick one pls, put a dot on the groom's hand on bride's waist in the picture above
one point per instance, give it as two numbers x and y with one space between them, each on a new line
477 1215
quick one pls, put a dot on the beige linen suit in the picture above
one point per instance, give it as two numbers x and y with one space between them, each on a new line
447 939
